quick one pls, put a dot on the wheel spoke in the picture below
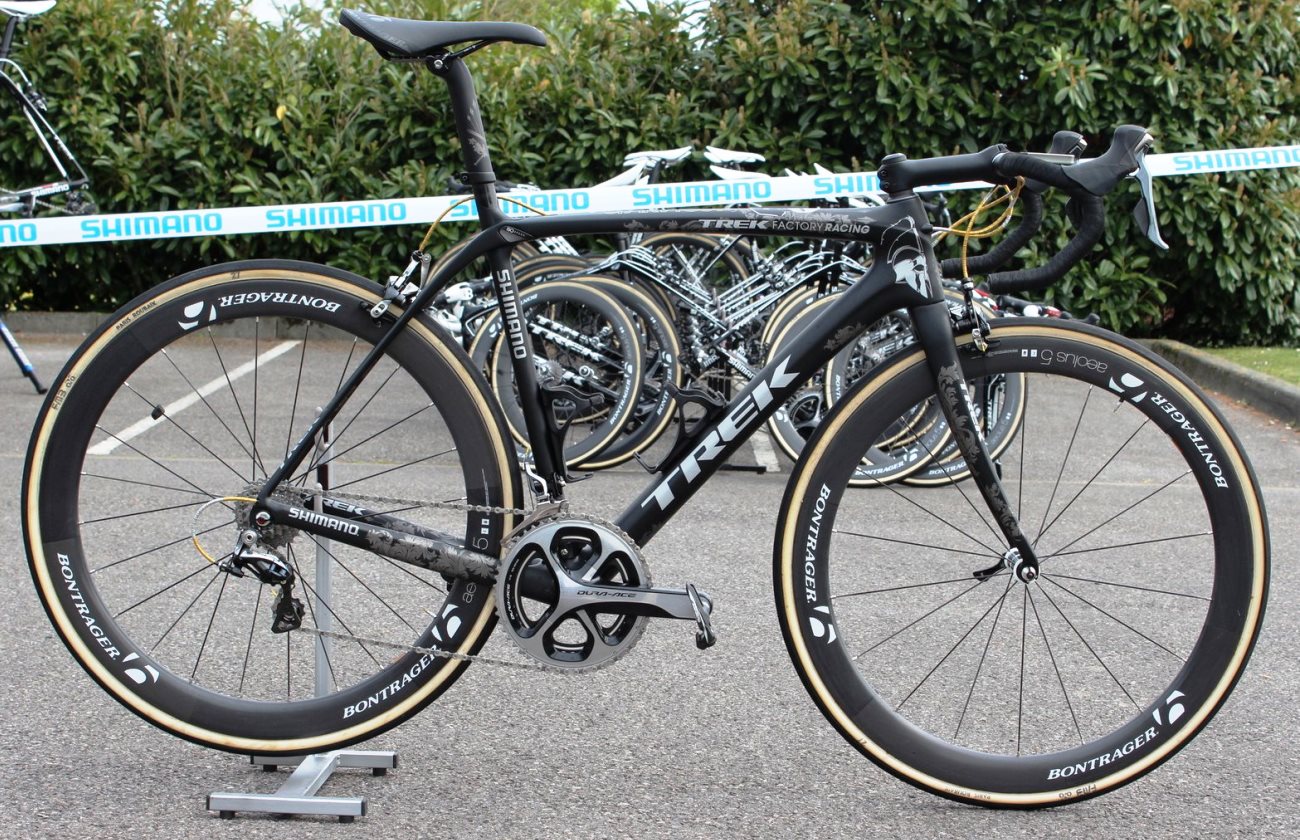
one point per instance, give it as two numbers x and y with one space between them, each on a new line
149 551
912 624
1091 649
1065 459
979 666
336 454
1111 519
914 544
1056 668
1087 484
204 399
1111 616
207 632
416 462
297 390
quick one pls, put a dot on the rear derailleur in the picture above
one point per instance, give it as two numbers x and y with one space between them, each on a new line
251 557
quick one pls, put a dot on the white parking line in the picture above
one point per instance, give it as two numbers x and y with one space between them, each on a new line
136 429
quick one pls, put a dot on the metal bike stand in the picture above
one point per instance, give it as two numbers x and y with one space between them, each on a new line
297 796
24 364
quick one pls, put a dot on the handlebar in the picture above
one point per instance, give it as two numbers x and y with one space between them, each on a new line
1085 182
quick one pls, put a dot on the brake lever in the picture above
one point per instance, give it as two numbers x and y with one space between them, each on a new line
1144 212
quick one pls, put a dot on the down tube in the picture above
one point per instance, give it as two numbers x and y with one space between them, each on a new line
865 302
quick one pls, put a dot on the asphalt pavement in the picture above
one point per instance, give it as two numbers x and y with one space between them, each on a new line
669 742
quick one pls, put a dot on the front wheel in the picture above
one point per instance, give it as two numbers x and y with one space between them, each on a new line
922 648
141 468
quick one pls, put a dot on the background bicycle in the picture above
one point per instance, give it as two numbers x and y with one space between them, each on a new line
68 193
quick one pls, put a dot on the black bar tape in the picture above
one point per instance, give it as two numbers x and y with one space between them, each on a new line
1091 226
1013 163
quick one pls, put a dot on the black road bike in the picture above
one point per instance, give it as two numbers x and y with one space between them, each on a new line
1048 631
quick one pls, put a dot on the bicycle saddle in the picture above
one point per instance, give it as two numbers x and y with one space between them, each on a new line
25 8
396 38
727 156
665 155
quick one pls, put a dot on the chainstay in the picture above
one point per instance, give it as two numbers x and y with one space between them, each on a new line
439 652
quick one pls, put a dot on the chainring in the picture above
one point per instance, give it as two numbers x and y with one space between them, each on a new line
539 592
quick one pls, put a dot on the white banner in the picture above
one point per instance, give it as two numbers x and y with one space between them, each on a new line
230 221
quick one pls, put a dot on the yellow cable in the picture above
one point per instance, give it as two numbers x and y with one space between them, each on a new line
195 537
429 234
1005 195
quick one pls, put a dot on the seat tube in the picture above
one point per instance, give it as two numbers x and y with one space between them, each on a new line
548 455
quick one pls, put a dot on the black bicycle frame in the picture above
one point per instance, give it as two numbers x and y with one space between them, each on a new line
904 275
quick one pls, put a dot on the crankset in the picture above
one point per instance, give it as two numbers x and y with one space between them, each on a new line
574 593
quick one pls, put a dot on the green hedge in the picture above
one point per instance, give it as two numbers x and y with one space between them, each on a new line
190 103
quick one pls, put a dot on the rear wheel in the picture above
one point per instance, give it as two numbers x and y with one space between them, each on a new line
167 421
1153 550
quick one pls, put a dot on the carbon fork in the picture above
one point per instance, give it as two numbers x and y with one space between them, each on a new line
935 333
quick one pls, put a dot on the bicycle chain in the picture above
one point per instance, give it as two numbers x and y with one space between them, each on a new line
428 503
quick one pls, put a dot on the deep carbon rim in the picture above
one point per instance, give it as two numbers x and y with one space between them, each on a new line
148 685
826 641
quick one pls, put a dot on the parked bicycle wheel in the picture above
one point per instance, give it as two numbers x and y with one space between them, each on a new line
139 476
585 341
549 267
715 261
661 349
904 447
999 408
940 665
479 268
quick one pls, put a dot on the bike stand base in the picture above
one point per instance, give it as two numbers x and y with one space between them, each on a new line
297 796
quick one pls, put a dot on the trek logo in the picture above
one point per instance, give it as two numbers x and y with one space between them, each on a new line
735 224
730 428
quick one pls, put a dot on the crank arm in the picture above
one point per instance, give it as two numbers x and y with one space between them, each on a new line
626 600
567 594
